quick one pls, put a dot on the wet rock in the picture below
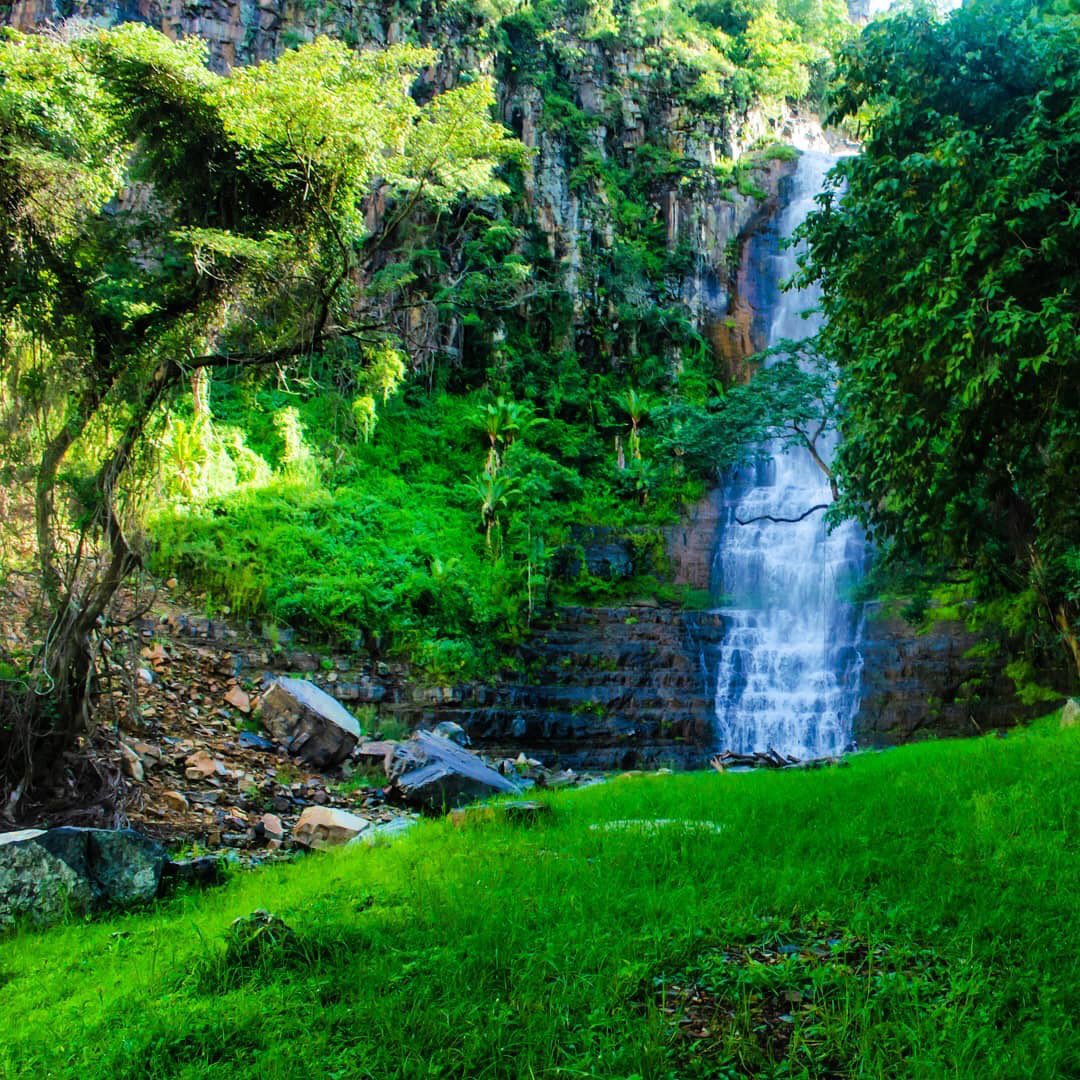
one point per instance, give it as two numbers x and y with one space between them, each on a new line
454 732
322 827
308 722
933 682
433 773
202 871
45 874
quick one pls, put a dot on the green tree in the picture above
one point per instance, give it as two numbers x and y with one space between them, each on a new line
159 219
949 257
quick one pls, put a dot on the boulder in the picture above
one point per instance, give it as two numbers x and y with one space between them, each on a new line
308 722
436 774
271 827
324 826
1070 714
46 874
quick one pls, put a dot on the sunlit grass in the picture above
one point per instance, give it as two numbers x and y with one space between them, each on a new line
509 951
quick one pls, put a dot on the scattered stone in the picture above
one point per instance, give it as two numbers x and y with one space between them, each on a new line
149 754
155 653
201 766
1070 714
133 766
206 798
308 722
46 874
238 698
272 827
321 827
174 800
454 732
381 753
249 740
146 676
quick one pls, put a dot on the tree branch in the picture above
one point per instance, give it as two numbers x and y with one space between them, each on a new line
780 520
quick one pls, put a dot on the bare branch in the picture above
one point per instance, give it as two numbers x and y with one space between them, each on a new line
783 521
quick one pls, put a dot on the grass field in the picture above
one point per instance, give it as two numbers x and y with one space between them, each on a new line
911 914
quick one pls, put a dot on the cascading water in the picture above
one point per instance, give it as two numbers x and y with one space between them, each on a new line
789 667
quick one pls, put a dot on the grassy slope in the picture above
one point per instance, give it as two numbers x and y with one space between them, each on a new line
495 951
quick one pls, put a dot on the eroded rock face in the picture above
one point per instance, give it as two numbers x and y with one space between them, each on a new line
618 687
927 684
632 102
46 874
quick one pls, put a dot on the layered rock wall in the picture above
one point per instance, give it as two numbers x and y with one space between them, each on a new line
935 682
627 110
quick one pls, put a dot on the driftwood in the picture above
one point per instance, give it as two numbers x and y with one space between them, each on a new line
434 773
767 759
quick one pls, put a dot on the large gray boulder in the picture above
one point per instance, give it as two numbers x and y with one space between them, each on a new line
435 774
308 722
47 874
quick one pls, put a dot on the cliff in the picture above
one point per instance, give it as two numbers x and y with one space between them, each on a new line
633 213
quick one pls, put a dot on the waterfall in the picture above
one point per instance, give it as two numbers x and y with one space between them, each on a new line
789 667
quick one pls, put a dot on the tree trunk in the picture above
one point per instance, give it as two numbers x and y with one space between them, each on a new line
1069 636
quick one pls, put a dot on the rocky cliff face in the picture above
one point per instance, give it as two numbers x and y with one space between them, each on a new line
608 124
934 682
633 684
612 688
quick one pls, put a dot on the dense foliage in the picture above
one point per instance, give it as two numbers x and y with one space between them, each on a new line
949 256
161 221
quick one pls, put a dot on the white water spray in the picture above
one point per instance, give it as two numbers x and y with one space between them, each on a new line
789 667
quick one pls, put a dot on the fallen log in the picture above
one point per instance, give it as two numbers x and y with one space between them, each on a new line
766 759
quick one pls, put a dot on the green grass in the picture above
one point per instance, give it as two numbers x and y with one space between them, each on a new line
914 914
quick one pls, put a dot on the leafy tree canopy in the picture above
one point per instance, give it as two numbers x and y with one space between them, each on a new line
159 219
949 257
